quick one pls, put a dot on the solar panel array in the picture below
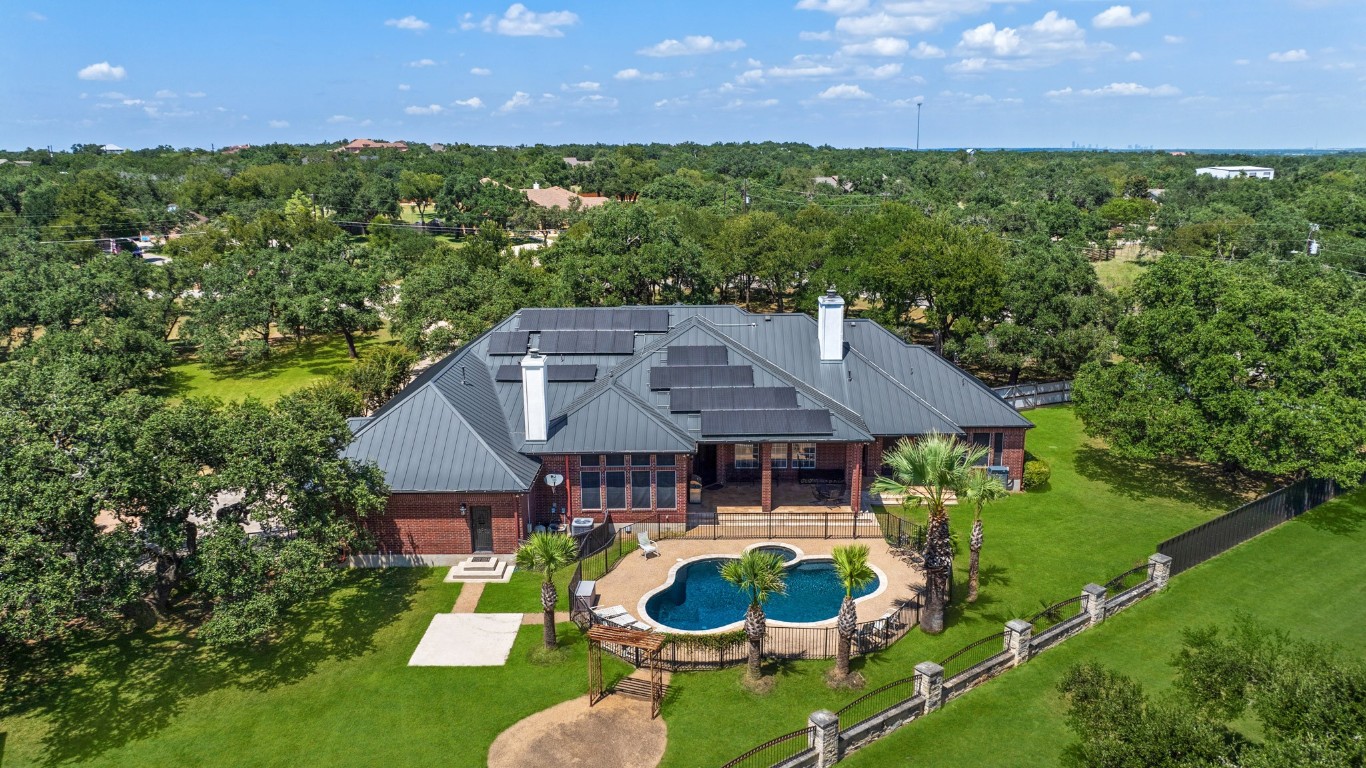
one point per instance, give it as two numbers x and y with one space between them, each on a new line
508 343
587 342
810 421
693 399
614 319
669 377
513 372
697 356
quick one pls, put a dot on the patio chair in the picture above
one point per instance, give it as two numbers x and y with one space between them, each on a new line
608 614
647 546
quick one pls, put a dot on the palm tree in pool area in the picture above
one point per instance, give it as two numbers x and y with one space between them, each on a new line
925 472
982 489
546 554
759 575
854 573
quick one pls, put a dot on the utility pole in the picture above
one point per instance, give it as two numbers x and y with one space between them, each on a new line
918 105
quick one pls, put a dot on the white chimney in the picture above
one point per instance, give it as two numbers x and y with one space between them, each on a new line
830 319
533 397
536 185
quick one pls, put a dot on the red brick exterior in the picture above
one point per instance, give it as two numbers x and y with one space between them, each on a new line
682 470
766 474
1012 455
430 523
853 473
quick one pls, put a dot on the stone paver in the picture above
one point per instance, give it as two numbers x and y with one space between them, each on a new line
467 640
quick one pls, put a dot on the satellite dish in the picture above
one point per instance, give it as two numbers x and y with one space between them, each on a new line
553 480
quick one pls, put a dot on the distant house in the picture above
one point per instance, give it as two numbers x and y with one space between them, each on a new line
1234 171
112 149
1177 153
235 148
356 146
437 147
574 162
834 181
559 197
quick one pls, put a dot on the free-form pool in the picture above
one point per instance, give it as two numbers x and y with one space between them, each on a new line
698 599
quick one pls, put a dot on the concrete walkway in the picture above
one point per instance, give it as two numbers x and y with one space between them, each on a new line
467 640
469 597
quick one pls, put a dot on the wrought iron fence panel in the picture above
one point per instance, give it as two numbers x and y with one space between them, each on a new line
973 654
1055 614
776 751
875 702
1127 580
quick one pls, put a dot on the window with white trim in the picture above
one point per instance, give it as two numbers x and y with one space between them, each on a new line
778 459
746 456
804 455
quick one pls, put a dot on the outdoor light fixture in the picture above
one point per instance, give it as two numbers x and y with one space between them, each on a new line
464 509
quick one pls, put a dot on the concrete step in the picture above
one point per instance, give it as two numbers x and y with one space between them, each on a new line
486 569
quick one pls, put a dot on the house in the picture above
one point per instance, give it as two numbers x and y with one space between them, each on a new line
356 146
1234 171
112 149
235 149
574 162
834 181
626 406
559 197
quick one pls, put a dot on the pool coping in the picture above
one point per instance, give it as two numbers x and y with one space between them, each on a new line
801 555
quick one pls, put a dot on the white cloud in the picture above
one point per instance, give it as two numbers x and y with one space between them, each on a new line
113 95
691 45
881 23
404 87
473 102
195 94
430 109
1120 16
812 37
420 63
520 21
1173 39
924 50
102 71
1047 41
743 104
519 100
1134 56
631 73
338 119
838 7
481 71
1242 62
802 68
1287 57
844 91
278 123
165 94
675 102
133 102
586 85
880 73
35 16
881 46
411 23
901 103
1117 89
597 100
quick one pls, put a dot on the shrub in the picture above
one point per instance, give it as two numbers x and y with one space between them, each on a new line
1036 473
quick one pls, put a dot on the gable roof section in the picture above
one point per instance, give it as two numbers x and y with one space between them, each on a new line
612 413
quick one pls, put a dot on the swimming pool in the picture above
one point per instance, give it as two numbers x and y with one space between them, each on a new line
698 599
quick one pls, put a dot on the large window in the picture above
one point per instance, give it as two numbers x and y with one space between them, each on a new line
778 459
982 440
640 489
804 455
640 459
590 490
590 461
665 490
616 489
616 459
665 460
746 456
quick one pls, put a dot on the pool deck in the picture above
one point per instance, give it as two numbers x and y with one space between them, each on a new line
634 576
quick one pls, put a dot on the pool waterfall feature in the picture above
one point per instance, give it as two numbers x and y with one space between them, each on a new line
695 599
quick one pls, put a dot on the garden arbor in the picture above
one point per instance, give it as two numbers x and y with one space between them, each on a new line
647 643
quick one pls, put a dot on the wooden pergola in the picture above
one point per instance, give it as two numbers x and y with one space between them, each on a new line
647 644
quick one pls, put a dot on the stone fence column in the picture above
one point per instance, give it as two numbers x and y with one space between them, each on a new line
1159 570
929 682
1018 632
826 738
1093 602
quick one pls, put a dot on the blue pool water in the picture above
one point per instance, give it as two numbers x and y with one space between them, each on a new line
699 599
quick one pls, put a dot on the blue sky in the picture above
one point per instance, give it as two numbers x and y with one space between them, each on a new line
1019 73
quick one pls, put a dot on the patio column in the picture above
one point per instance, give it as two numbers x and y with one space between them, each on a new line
766 473
853 474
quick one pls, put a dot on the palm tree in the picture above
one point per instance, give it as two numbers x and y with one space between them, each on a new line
546 554
925 472
853 571
759 575
982 489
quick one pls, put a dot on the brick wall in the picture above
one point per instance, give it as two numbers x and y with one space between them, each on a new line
853 472
1012 455
572 466
430 523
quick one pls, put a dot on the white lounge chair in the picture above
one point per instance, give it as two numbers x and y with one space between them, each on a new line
608 614
647 546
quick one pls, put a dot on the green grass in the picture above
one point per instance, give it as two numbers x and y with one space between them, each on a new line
1098 517
334 690
289 368
1304 577
522 593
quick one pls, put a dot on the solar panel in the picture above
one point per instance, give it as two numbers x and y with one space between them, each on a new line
595 319
508 343
587 342
513 372
701 376
788 422
731 399
697 356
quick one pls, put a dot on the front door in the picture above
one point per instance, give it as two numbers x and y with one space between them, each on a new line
706 463
481 528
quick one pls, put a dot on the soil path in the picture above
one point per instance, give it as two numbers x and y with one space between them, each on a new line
470 592
616 731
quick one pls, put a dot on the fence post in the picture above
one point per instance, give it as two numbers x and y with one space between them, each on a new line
1093 602
825 738
929 682
1018 632
1159 570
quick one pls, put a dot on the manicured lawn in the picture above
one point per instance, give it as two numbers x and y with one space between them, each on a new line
1304 577
522 593
1098 517
335 690
289 368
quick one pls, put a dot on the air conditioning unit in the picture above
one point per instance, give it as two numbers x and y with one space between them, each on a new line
581 525
1001 473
